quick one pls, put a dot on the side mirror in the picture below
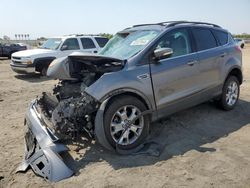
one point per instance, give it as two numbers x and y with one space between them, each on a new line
162 53
64 47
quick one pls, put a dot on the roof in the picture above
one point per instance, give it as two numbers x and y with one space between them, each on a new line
175 23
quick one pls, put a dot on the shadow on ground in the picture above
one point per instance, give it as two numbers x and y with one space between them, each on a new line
33 78
187 130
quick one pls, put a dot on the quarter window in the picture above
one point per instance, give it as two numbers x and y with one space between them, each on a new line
101 41
221 36
87 43
72 44
178 40
204 39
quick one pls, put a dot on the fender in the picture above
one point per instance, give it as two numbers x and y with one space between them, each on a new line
128 91
231 64
42 62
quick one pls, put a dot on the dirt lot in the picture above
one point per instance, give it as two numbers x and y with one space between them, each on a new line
203 146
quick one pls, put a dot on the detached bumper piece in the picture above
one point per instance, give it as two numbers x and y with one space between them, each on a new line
42 149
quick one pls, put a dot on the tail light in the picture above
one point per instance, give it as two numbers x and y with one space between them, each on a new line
238 48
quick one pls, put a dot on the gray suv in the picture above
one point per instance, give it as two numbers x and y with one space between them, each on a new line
144 73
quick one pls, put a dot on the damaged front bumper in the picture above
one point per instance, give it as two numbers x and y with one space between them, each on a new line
42 148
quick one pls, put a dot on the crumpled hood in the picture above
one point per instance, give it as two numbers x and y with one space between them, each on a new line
34 52
71 67
92 57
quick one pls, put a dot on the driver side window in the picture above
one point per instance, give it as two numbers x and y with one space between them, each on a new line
71 44
178 40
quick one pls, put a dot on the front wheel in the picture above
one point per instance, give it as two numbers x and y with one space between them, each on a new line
119 131
44 71
230 93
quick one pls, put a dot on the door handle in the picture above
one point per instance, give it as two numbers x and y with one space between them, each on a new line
191 63
95 51
223 54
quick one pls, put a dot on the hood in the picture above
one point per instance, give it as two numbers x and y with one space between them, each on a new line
92 57
33 52
78 64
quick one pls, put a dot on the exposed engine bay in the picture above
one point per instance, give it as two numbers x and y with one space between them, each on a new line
69 110
63 114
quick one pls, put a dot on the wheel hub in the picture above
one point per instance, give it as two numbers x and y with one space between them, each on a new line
232 93
123 130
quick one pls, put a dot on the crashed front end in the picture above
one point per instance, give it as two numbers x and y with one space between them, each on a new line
64 114
42 148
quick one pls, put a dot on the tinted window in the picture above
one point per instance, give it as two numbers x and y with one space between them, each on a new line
204 39
72 44
87 43
101 41
221 36
178 40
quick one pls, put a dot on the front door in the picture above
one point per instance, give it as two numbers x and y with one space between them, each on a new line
176 77
69 46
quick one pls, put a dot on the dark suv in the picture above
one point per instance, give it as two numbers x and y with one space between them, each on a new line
7 49
143 73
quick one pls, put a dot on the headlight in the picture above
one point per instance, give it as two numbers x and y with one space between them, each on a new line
28 62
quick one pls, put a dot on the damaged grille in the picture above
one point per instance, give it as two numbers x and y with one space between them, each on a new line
68 117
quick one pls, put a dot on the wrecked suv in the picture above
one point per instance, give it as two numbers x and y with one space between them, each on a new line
144 73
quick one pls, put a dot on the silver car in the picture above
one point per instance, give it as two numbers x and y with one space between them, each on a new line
143 73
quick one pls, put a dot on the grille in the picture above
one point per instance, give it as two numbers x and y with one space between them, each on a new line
13 57
16 62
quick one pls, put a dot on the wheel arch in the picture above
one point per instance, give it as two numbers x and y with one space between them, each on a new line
236 71
42 62
130 92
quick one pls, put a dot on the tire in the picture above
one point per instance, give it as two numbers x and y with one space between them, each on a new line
242 46
44 71
227 92
115 114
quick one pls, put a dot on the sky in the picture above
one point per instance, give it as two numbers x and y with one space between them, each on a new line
48 18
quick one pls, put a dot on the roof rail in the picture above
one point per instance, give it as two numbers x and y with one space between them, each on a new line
174 23
160 23
147 24
187 22
78 35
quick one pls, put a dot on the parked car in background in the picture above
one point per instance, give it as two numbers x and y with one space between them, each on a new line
144 73
28 47
240 42
38 60
7 49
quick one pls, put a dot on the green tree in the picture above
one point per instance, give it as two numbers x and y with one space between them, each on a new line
244 36
107 35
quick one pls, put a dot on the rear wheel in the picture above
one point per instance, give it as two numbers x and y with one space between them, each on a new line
230 93
119 130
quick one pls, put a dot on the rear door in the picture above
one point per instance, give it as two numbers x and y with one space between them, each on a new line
88 45
177 77
209 55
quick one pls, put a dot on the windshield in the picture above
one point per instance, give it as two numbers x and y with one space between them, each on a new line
127 44
52 44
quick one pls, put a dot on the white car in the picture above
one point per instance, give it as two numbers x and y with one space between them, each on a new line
240 42
38 60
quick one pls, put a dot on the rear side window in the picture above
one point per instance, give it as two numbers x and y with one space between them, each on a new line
221 36
101 41
87 43
204 39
